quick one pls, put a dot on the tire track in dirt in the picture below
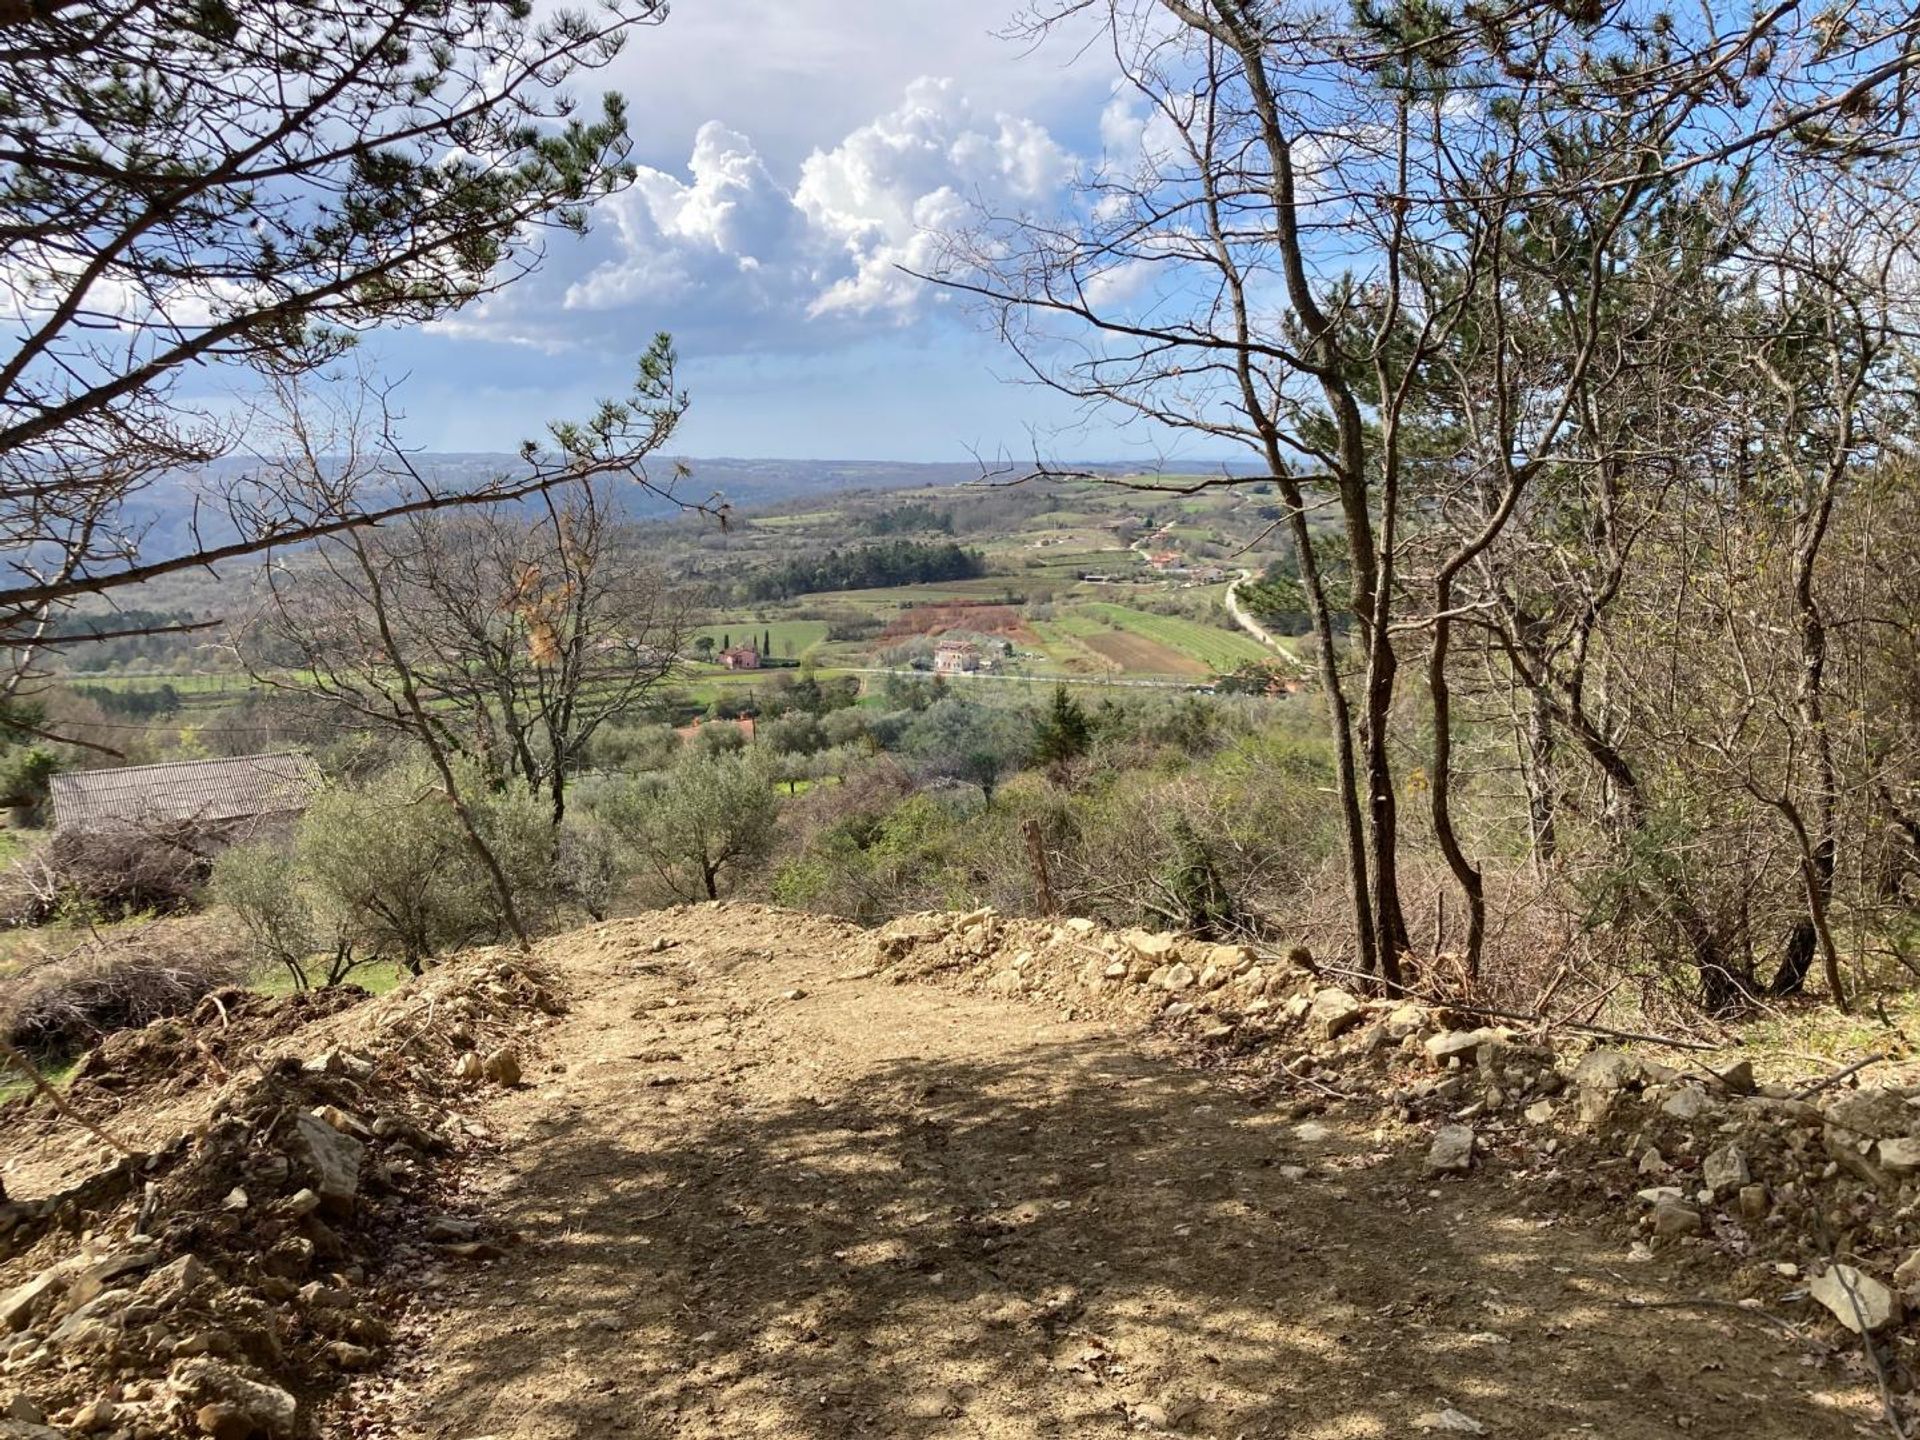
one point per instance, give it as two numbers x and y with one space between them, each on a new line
760 1200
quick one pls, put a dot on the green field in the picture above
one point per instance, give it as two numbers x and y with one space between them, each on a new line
1219 650
186 685
791 639
808 520
1065 649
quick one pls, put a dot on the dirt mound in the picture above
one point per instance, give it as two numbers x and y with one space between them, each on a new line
173 1055
225 1280
1691 1162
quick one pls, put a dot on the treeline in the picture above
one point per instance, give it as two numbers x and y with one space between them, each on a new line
128 647
1597 465
914 518
145 704
867 567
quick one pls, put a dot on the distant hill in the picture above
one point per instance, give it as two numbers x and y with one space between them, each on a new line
166 516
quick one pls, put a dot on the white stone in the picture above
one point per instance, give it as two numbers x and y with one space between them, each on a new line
1857 1300
1725 1170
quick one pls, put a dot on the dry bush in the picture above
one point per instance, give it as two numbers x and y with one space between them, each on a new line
109 874
117 982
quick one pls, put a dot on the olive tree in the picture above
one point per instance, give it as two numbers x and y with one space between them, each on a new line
708 818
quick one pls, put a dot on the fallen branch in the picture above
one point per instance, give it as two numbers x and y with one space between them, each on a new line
1701 1302
1874 1362
149 1206
1672 1042
59 1101
1839 1075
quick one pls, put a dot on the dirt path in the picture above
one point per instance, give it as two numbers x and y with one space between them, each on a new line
877 1210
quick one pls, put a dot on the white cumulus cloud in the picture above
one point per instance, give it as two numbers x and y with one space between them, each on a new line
724 254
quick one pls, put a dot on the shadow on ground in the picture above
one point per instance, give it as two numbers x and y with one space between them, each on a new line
1069 1239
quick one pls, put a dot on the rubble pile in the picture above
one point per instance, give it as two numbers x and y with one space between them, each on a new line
1816 1194
223 1284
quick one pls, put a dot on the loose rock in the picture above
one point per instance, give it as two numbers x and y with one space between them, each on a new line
332 1160
1674 1219
1333 1013
1725 1170
1452 1150
1857 1300
502 1067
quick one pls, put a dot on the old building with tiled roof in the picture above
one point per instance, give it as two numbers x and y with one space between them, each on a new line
229 795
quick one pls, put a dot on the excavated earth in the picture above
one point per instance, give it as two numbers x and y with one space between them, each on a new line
732 1172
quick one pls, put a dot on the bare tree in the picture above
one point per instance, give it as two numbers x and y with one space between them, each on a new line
357 620
534 627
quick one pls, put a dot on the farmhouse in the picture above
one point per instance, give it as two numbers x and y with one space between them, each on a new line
227 798
741 657
956 657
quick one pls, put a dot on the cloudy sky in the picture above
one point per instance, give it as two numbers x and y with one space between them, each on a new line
795 153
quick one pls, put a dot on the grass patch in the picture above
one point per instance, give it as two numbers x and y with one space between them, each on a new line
791 639
18 844
13 1084
1219 650
378 977
234 683
797 522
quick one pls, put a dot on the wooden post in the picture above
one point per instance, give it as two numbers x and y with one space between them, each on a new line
1037 860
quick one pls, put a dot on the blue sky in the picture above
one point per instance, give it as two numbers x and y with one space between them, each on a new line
795 152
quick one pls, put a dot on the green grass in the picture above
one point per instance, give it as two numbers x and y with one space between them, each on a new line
153 680
800 635
705 684
1064 649
379 977
1220 650
13 1084
795 522
14 844
991 587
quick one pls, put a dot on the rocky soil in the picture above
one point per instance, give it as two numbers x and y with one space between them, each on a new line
232 1211
737 1172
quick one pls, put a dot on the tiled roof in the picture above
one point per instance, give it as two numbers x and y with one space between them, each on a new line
211 790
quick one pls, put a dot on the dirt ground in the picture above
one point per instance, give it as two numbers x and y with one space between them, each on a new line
760 1198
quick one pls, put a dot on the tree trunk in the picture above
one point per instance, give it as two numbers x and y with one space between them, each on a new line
1037 863
1820 841
1465 873
1537 758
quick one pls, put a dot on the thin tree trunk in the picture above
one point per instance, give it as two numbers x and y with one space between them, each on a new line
1537 760
423 725
1820 848
1465 873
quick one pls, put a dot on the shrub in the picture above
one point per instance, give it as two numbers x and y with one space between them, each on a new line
797 734
634 747
966 741
393 867
262 887
842 728
707 819
589 867
719 739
